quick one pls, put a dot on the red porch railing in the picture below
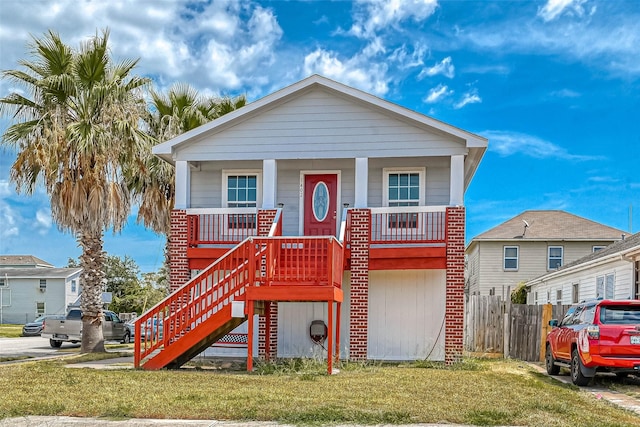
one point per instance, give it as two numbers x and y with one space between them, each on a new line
188 307
301 261
398 225
221 226
187 317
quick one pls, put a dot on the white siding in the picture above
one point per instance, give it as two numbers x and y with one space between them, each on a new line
406 314
586 280
317 125
19 299
294 319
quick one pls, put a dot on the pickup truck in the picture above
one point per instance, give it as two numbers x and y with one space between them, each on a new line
597 335
69 329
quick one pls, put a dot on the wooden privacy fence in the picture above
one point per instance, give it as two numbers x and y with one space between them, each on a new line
494 326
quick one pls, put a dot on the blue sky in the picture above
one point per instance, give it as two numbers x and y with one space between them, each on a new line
554 85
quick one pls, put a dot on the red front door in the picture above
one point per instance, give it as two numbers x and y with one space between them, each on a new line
320 204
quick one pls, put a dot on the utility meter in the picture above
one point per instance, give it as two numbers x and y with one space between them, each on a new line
318 331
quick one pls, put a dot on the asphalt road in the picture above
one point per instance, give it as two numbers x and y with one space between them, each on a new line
29 346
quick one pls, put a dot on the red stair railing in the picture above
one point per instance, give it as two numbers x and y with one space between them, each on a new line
200 298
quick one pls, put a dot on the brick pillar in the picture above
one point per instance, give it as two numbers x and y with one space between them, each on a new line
454 313
265 219
359 314
179 272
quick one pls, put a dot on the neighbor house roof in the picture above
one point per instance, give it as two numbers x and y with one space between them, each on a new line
22 261
550 225
630 246
38 273
475 144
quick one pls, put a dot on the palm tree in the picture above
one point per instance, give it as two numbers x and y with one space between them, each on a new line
73 131
152 181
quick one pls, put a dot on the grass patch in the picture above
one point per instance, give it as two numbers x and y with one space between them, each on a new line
13 358
484 392
10 331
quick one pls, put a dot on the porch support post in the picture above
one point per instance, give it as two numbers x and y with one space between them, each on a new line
183 185
331 336
338 331
269 183
456 190
362 182
250 310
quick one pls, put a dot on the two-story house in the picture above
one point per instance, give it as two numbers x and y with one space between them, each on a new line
530 245
611 273
31 287
319 216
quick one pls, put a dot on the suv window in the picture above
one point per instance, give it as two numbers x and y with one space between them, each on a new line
568 316
620 315
587 314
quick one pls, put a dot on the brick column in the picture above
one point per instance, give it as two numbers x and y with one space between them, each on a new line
454 313
359 314
179 272
265 219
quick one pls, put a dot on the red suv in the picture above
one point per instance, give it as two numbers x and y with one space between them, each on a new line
600 335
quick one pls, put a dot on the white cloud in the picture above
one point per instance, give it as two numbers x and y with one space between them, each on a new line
407 59
607 41
565 93
444 67
43 221
554 8
507 143
355 71
470 97
437 93
373 16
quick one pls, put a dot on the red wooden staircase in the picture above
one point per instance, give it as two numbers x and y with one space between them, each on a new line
258 269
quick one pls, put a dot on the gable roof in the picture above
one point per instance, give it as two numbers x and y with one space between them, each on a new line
38 273
550 225
475 144
22 261
630 246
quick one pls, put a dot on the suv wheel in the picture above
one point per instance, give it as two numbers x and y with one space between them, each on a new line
576 373
552 368
127 338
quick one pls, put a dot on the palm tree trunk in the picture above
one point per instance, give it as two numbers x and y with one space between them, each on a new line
94 280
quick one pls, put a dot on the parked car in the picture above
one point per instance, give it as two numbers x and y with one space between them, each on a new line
152 330
69 328
34 329
599 335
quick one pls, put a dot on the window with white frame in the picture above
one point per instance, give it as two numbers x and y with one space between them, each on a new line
596 248
511 258
241 189
558 296
74 285
40 308
605 286
43 284
555 257
2 282
575 293
404 187
609 286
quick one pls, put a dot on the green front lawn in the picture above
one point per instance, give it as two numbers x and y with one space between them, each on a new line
10 331
479 392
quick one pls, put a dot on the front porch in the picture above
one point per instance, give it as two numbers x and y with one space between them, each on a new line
399 238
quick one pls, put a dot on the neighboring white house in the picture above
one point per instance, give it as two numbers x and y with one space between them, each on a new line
530 245
36 289
611 273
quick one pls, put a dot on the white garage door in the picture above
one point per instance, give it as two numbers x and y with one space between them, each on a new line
406 314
